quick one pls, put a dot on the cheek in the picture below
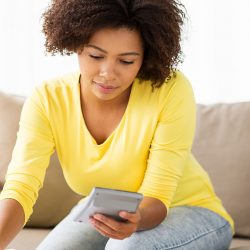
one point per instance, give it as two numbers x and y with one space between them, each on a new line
132 73
88 69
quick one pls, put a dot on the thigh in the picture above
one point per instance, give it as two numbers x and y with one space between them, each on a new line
70 235
185 228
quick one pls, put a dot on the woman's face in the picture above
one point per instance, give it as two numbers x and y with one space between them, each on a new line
110 62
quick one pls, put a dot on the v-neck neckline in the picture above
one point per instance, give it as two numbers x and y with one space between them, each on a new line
112 134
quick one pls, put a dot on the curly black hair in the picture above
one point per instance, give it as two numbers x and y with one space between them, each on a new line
69 24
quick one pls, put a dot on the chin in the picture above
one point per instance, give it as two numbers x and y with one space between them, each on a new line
104 97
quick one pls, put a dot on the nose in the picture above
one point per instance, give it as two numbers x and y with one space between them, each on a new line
107 71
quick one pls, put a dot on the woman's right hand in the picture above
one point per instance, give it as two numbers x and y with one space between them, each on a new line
11 221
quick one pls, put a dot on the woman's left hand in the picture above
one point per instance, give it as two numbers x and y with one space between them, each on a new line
114 229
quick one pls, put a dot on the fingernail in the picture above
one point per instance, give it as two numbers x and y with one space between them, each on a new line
98 216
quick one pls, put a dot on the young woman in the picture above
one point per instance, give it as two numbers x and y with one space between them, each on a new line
125 121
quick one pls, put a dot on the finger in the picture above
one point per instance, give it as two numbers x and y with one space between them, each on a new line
105 234
131 217
104 227
110 222
104 230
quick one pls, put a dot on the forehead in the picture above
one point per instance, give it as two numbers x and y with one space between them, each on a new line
117 40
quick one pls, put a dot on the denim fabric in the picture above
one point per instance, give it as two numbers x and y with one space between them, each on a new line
185 228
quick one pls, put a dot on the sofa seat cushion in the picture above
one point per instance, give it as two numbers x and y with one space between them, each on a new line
238 243
28 239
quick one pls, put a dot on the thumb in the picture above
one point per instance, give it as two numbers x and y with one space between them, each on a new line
132 217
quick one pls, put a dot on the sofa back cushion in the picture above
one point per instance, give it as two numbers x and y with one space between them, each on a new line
221 145
10 109
55 198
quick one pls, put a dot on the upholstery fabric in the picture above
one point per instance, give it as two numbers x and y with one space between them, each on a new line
55 198
10 109
222 147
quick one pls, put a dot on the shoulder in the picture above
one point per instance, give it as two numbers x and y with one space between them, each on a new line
176 88
61 83
56 92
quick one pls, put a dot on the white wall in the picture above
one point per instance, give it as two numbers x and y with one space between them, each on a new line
217 49
23 63
216 45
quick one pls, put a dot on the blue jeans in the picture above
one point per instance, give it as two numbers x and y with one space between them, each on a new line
185 228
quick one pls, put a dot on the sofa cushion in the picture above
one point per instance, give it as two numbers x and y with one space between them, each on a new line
29 239
55 198
10 109
222 147
240 244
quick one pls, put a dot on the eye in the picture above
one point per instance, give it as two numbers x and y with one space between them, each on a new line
95 57
126 62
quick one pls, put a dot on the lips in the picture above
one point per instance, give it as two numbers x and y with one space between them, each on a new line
104 86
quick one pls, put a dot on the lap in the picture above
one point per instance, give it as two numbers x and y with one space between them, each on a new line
71 235
184 228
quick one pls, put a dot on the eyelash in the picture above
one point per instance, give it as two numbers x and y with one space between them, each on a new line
100 57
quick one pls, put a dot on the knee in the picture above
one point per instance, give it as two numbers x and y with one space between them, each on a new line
126 244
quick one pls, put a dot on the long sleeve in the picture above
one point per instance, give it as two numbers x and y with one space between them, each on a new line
171 144
31 155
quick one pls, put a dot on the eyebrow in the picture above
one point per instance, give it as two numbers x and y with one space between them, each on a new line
104 51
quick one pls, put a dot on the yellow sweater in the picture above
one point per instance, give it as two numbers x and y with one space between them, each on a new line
149 151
